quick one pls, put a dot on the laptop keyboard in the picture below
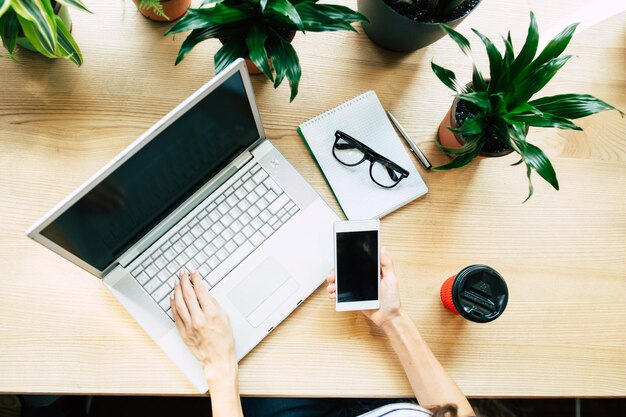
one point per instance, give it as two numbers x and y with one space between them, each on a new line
219 237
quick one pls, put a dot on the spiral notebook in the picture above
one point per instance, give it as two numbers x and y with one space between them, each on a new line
363 118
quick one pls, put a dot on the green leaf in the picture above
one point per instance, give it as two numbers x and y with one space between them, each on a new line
572 106
196 36
229 52
464 159
533 158
66 43
263 4
285 8
479 98
75 3
9 29
542 120
460 40
524 108
41 32
448 78
34 37
529 49
556 46
286 62
495 61
4 6
471 126
207 18
256 49
535 81
327 17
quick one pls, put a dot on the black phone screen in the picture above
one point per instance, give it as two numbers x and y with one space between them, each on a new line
357 266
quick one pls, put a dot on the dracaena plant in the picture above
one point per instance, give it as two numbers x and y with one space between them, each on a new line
257 29
500 106
35 20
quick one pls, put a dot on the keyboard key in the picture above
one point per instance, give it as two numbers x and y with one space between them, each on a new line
187 239
230 263
227 234
142 278
182 259
267 230
196 231
248 186
204 270
190 252
145 263
163 275
257 239
210 250
278 203
248 231
173 268
152 285
256 223
221 254
262 203
251 197
214 216
254 168
192 264
201 257
223 208
235 212
199 243
265 215
240 193
245 218
217 228
205 223
271 195
239 238
162 292
213 262
270 183
231 200
230 246
151 270
137 271
179 246
169 254
165 303
219 241
160 262
259 176
236 226
293 210
253 211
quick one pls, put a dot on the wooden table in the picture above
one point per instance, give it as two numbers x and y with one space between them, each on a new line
562 253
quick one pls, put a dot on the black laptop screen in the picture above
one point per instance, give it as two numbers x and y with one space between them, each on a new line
158 178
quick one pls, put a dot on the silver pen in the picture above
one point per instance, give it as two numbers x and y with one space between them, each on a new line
416 151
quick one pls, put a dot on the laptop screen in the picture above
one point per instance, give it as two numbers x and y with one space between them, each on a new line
158 178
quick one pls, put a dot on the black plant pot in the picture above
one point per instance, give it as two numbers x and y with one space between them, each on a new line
396 32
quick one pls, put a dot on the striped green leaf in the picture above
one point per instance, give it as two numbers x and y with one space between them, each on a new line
78 4
256 50
285 8
66 44
4 6
572 106
41 32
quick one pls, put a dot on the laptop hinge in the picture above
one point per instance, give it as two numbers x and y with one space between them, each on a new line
181 211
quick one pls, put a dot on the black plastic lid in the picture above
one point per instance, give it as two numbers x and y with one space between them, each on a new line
479 293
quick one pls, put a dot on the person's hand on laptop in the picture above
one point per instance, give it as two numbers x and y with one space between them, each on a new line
389 294
205 328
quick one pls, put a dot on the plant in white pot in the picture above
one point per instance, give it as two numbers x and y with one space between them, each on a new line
42 26
490 116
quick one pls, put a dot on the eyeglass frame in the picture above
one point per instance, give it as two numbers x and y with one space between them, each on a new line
372 156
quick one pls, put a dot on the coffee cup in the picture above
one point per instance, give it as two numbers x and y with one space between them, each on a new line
478 293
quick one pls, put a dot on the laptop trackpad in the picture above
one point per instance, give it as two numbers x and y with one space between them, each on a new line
262 291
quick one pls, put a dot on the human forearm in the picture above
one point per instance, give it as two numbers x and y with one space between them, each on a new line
429 380
224 390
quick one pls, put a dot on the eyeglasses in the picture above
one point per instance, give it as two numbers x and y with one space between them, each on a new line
351 152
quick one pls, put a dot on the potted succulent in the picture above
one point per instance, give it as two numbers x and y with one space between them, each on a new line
261 32
407 25
42 26
490 116
162 10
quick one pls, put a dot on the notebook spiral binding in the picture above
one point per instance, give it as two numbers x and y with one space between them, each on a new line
337 108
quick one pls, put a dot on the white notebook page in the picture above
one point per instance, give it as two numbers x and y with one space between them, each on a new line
363 118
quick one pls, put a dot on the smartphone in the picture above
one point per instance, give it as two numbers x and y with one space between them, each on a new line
357 265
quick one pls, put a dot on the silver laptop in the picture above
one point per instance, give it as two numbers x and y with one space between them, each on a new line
202 189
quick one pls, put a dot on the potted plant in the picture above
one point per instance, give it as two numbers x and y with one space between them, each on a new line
490 116
162 10
261 32
407 25
42 26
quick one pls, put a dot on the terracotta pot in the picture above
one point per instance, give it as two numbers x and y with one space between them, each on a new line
450 139
174 9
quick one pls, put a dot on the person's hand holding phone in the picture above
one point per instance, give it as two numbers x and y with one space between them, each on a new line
389 295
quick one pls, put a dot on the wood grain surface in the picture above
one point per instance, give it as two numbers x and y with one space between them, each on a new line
563 254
